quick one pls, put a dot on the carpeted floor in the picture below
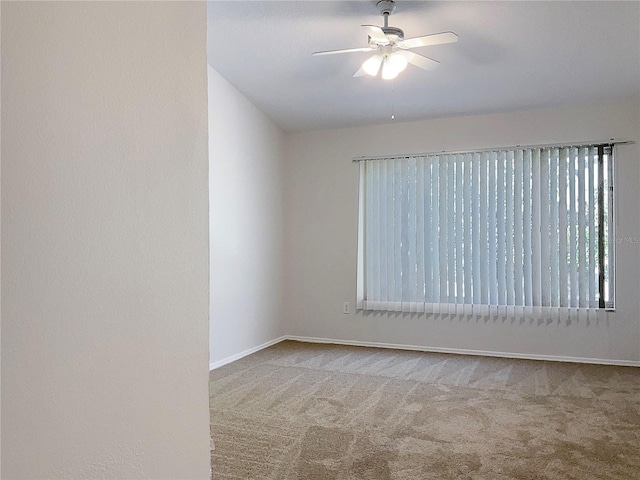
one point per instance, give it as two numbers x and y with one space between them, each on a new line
323 412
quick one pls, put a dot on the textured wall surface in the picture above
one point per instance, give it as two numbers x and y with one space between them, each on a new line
321 215
246 230
104 240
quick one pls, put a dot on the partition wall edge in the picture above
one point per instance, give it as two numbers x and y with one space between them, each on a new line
105 240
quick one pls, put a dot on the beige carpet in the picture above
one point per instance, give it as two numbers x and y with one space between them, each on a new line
304 411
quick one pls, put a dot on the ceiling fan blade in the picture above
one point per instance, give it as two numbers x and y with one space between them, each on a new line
423 62
360 73
347 50
427 40
376 34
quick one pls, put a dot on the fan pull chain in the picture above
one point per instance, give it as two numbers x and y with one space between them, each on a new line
393 115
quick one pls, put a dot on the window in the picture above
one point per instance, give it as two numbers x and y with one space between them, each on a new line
518 231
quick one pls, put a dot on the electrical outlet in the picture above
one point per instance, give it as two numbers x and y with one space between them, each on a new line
346 308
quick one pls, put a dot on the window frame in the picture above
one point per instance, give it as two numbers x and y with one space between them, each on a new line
604 148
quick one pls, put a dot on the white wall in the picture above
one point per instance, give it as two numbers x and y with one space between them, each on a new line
245 151
104 240
321 217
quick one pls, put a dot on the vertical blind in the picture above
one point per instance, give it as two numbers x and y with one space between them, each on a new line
523 232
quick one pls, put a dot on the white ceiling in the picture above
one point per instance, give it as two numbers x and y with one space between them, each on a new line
510 56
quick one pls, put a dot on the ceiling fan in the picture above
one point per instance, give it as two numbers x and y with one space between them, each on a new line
392 50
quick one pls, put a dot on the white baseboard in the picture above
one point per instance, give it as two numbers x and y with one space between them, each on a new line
420 348
461 351
238 356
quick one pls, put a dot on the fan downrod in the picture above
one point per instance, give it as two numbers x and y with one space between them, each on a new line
387 7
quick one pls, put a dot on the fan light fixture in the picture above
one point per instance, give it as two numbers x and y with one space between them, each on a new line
390 50
372 65
394 63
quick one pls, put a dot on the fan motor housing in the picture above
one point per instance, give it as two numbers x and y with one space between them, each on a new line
394 31
393 34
